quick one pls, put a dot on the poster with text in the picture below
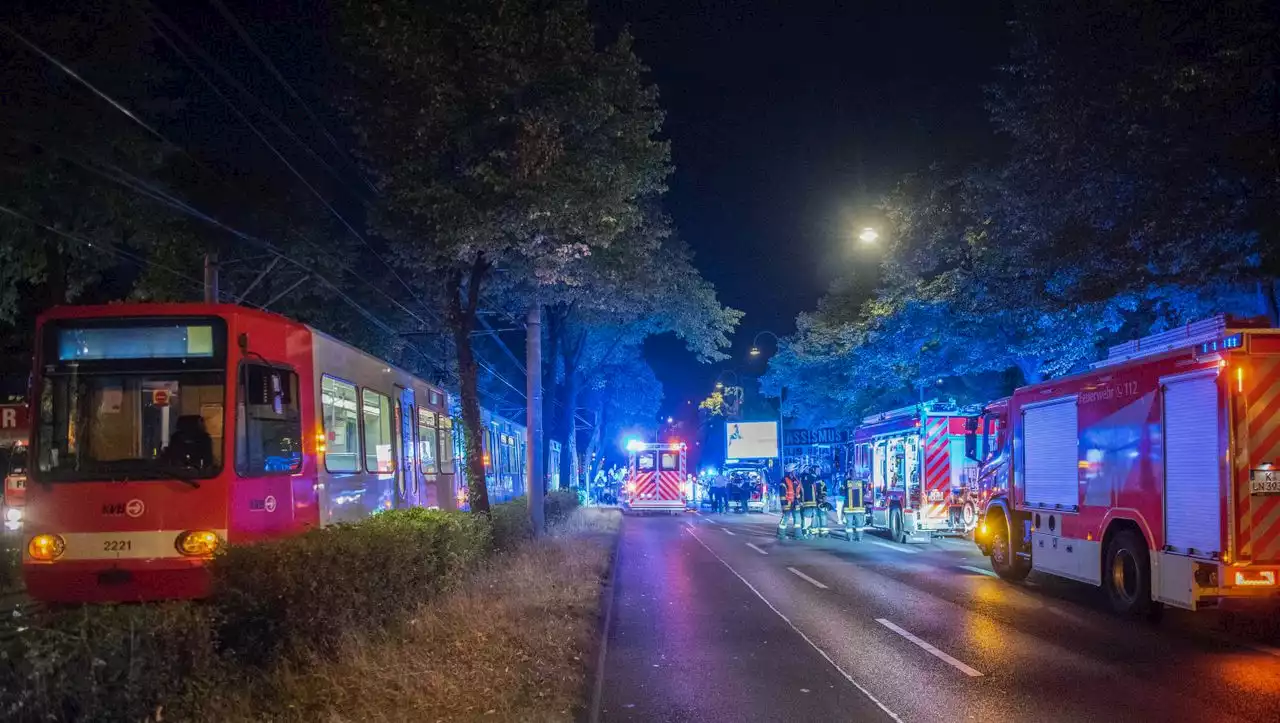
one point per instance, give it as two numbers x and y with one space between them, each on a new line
751 440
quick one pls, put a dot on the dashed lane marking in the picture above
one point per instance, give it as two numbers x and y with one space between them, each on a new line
806 578
798 631
762 552
895 548
931 650
980 571
727 531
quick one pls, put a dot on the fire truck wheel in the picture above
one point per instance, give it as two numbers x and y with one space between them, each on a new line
1004 560
1127 575
896 531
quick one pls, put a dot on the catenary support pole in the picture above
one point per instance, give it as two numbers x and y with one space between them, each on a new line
533 417
211 278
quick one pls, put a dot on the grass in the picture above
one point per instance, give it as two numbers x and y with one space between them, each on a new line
513 643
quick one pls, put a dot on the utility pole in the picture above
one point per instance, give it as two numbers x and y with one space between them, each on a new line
533 417
211 277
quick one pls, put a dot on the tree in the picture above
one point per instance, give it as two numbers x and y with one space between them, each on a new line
499 137
71 233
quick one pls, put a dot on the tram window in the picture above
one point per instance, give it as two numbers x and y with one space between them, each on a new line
341 420
375 411
427 439
268 423
446 444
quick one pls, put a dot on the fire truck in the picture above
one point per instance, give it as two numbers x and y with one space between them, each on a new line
1153 475
921 481
655 477
15 433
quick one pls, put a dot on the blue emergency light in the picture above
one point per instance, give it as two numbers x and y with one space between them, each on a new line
1235 341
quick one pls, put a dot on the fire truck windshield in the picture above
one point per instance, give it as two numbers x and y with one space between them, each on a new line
104 426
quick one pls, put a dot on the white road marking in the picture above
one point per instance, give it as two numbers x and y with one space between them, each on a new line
727 531
689 525
893 547
931 650
762 552
979 570
800 632
806 578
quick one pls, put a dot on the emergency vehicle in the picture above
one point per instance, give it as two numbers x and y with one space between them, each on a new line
15 432
921 482
655 477
1153 475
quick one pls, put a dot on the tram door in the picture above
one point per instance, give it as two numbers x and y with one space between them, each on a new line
406 449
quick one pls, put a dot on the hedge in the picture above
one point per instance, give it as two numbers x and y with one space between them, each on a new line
293 599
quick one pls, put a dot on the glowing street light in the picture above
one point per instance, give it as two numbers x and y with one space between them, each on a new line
670 420
868 235
755 351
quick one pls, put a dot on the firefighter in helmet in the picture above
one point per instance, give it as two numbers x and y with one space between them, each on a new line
808 503
855 509
789 496
821 507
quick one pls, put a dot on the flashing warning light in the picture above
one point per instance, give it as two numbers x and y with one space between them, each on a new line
634 445
1235 341
1240 380
197 543
1256 578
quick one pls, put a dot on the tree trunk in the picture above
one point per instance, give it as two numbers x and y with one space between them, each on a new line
594 456
569 448
1267 295
1030 369
462 321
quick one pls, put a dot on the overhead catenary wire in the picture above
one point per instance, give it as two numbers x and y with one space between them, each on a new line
141 187
257 51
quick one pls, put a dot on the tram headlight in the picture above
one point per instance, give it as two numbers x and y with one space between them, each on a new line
13 514
198 543
46 548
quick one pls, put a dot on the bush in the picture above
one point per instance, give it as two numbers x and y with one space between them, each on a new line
309 592
510 524
559 504
109 663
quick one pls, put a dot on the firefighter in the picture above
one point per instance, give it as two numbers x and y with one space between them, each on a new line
855 509
820 510
808 503
789 499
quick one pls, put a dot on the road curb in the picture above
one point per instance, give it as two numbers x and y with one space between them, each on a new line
606 620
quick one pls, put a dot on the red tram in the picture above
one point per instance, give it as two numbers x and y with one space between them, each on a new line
163 431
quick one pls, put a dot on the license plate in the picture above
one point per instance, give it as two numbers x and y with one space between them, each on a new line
1264 482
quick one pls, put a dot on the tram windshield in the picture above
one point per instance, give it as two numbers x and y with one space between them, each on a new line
133 401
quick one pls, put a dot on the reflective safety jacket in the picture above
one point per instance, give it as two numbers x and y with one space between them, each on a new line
808 491
820 491
790 491
853 496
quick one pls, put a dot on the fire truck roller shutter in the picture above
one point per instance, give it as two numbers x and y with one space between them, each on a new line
1051 471
1192 470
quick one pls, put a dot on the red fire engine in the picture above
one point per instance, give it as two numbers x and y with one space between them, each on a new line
655 477
15 431
895 450
168 430
1153 475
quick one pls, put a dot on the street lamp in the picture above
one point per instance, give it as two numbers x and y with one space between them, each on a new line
755 349
868 235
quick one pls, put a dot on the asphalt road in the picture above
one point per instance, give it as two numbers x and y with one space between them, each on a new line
715 619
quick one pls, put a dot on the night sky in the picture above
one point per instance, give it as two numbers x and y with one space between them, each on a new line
771 106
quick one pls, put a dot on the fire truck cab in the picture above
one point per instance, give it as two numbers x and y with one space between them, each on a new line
921 481
1154 475
655 477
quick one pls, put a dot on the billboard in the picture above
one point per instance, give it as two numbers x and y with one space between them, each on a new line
750 440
